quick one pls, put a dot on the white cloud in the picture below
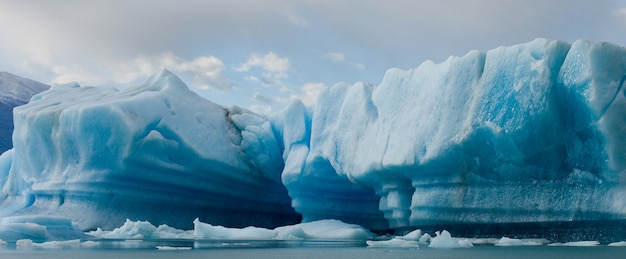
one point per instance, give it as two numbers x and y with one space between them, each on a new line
75 73
268 99
309 92
260 108
269 62
620 14
263 103
335 57
206 72
274 67
341 58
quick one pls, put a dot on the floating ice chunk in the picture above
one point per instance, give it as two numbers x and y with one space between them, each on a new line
90 244
24 244
505 241
3 243
57 244
396 242
143 230
577 243
130 230
205 230
621 243
425 239
443 239
413 235
324 229
167 232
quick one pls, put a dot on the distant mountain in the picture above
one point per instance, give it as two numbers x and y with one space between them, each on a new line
14 91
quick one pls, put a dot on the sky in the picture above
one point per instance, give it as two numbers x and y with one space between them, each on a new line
260 55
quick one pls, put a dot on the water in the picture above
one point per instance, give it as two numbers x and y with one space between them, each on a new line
289 249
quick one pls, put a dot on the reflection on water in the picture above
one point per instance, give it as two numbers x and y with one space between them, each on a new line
295 249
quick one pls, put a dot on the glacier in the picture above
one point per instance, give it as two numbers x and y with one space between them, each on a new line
530 133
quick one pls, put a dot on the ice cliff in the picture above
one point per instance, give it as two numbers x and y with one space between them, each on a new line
534 132
155 152
528 133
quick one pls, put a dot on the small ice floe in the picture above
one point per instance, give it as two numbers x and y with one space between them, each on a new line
29 244
396 242
505 241
90 244
57 244
425 239
24 244
621 243
3 243
577 243
414 235
173 248
443 239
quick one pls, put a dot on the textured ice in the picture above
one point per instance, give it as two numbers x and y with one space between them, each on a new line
577 243
620 243
506 241
39 229
527 133
443 239
522 134
317 230
155 152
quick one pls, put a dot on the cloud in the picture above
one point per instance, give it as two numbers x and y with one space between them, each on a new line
265 104
206 72
268 99
335 57
269 62
309 92
341 58
274 67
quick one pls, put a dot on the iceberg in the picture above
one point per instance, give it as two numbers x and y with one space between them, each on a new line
155 152
333 230
531 133
527 133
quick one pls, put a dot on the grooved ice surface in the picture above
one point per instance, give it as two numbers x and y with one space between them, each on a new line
529 133
154 152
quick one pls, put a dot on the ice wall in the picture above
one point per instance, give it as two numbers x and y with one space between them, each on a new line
528 133
155 152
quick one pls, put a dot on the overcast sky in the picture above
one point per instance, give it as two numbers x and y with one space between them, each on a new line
260 54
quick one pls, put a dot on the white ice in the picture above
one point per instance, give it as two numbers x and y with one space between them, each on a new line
443 239
506 241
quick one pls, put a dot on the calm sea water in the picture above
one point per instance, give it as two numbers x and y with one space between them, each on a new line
235 250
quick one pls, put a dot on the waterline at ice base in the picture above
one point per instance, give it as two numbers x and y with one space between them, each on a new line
526 139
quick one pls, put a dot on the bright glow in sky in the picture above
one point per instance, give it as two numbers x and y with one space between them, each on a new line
260 54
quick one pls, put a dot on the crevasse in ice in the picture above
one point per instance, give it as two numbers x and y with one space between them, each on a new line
528 133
